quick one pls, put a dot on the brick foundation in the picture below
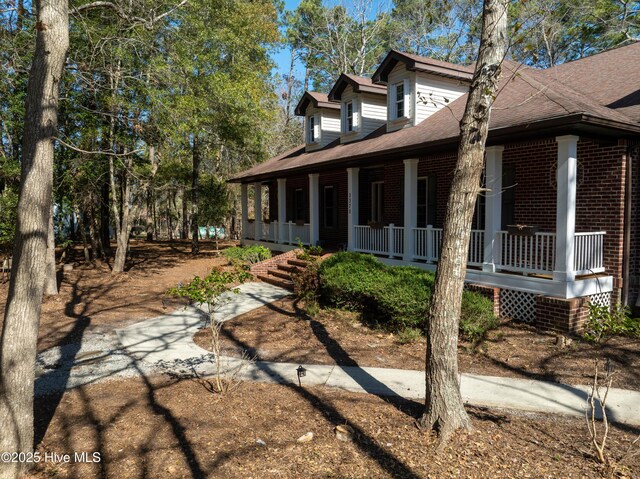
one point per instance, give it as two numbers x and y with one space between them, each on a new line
562 315
264 266
488 292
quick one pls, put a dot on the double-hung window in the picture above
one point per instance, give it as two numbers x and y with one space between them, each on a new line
330 208
377 201
348 117
399 99
311 129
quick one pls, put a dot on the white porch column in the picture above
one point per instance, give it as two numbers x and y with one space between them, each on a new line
244 205
282 210
257 210
567 179
410 207
314 209
493 206
353 208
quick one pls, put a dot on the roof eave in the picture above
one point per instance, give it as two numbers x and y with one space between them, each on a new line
566 124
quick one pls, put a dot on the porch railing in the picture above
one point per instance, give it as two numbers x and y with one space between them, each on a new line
271 232
533 254
589 252
526 254
250 230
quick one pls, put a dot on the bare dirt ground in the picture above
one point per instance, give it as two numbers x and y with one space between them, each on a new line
91 298
159 427
282 331
166 429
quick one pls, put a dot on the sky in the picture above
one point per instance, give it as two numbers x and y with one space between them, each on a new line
283 56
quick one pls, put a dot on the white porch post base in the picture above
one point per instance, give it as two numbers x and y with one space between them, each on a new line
410 207
314 210
352 206
282 210
567 179
493 207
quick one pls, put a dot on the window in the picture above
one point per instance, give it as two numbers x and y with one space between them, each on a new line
426 202
329 207
508 195
399 100
311 129
377 201
299 209
422 203
348 117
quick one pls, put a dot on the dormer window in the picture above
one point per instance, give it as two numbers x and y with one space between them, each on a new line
349 116
399 87
311 126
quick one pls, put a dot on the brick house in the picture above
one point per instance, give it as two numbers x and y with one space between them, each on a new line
562 159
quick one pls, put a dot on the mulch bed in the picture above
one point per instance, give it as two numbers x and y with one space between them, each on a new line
162 428
282 331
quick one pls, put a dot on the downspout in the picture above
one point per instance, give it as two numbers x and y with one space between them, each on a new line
633 153
627 227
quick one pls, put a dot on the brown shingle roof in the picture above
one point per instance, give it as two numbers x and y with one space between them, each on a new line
319 100
423 64
359 84
526 98
611 78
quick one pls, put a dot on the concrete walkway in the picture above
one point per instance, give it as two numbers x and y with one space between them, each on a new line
167 342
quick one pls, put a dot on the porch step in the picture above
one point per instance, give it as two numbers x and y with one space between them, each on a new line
298 262
288 267
280 274
276 281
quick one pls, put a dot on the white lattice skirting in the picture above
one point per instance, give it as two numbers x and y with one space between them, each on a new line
601 299
518 305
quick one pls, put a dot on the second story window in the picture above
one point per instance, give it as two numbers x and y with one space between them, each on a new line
311 129
399 107
349 116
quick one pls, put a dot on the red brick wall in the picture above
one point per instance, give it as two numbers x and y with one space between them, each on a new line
562 315
264 266
488 292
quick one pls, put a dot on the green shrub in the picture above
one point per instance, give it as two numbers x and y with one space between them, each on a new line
476 317
604 322
396 298
306 281
246 255
410 335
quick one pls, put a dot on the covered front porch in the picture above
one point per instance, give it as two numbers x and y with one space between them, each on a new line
564 263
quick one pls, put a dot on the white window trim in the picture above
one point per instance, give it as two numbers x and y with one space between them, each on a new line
355 110
313 137
392 106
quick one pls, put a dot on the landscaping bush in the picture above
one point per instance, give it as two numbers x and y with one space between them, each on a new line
476 317
604 322
246 255
395 298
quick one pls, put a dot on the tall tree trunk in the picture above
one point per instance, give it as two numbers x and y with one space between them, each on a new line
50 273
124 228
195 246
150 196
82 227
22 311
93 236
105 237
444 410
185 213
